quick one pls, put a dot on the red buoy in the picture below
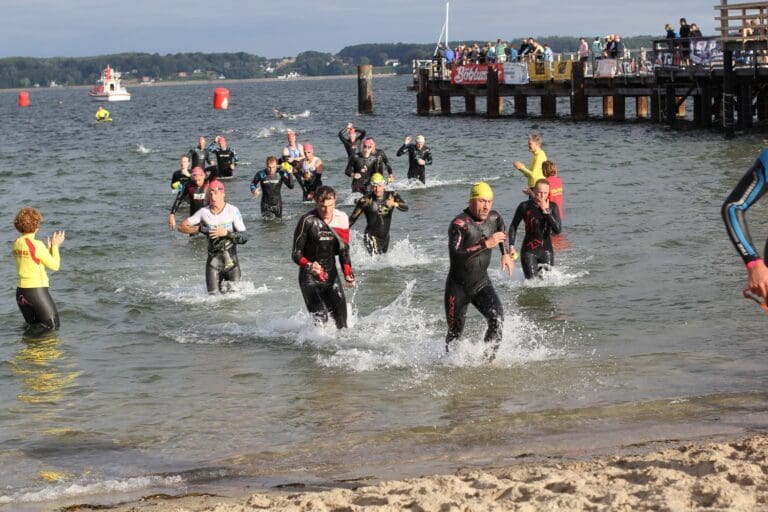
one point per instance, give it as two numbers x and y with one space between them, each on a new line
221 98
23 99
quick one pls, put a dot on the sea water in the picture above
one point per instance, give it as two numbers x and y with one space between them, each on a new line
639 332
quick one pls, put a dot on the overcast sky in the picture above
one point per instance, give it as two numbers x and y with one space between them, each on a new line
49 28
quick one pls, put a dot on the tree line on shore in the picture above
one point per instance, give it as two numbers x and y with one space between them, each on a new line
395 57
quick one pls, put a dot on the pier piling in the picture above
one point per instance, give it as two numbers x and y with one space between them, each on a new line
365 89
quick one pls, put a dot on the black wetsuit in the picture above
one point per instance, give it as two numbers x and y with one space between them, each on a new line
313 241
378 217
315 181
37 307
199 157
537 244
468 280
383 161
352 147
414 169
196 196
179 177
366 167
752 186
271 199
225 163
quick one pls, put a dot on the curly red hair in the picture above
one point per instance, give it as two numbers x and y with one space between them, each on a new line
28 220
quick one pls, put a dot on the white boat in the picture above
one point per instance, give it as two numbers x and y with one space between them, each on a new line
109 88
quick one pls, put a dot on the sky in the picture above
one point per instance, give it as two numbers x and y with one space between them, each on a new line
77 28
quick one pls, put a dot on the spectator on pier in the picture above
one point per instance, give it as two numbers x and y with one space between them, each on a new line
547 56
511 52
695 32
501 54
685 29
670 31
538 49
610 51
474 54
619 47
748 29
490 53
450 56
597 52
524 53
583 52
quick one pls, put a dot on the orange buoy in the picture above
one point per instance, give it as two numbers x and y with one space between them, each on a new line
23 99
221 98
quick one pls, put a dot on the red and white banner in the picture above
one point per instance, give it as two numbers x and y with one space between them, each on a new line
474 74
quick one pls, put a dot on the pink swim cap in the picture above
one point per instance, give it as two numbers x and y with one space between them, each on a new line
309 148
198 171
216 184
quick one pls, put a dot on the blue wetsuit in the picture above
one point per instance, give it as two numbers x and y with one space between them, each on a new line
752 186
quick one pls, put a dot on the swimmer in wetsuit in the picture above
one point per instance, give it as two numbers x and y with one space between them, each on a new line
194 191
320 236
352 138
471 238
182 175
542 219
419 157
32 258
223 225
752 186
377 207
310 173
268 183
226 160
361 166
200 156
383 160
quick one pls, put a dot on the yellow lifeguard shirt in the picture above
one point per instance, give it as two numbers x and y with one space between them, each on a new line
32 257
535 173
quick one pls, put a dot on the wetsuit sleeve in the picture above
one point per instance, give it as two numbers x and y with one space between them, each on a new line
385 161
501 226
299 241
345 260
752 186
343 136
360 133
183 193
239 235
235 159
401 204
554 218
256 180
402 150
350 165
456 235
288 179
359 208
515 222
427 156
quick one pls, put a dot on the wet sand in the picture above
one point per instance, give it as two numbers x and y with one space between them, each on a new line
717 474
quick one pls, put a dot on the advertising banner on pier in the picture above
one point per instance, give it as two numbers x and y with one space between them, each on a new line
706 51
473 74
515 73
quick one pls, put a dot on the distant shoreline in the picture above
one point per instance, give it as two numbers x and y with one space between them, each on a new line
223 83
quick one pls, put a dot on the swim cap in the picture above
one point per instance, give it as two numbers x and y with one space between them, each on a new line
216 185
481 190
377 179
286 166
198 171
420 138
308 147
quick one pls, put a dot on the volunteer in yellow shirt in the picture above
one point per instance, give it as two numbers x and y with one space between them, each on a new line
32 257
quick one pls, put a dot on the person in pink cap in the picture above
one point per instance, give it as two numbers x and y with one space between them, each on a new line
194 191
310 173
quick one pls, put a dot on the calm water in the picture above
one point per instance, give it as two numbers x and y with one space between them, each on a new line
152 386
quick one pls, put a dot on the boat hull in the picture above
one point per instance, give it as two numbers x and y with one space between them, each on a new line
111 97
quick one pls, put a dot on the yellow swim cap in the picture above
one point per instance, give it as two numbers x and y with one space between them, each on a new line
286 166
377 179
481 190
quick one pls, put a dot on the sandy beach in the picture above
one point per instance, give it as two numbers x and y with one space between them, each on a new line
716 474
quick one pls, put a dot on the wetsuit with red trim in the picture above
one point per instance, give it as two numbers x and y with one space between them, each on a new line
537 244
317 241
468 281
196 196
752 186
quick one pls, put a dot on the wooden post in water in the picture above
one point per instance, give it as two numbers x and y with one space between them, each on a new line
705 107
608 107
641 107
656 106
492 91
445 104
365 89
729 93
619 107
422 97
579 102
745 106
549 106
470 105
762 105
670 109
521 105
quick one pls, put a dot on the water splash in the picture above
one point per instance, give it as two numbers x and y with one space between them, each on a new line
140 148
402 253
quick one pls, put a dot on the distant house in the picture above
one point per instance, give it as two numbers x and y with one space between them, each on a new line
182 74
392 62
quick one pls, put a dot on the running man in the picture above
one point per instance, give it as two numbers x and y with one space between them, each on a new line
182 175
383 160
534 173
268 183
378 207
471 238
200 156
352 138
320 236
310 173
419 157
361 166
542 218
293 153
752 186
226 161
222 223
32 258
194 191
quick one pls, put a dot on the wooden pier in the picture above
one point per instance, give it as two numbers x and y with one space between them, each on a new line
723 80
